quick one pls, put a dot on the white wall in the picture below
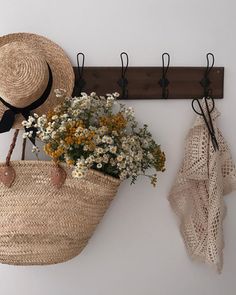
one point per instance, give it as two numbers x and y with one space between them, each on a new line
137 249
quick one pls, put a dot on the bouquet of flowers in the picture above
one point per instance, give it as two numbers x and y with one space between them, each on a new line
97 132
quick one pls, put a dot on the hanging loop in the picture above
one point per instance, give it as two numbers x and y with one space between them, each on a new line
123 82
80 81
205 82
164 82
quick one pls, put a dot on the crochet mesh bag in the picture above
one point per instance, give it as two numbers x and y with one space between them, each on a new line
196 197
46 215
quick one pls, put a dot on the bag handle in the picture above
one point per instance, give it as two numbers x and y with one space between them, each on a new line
23 149
8 174
12 146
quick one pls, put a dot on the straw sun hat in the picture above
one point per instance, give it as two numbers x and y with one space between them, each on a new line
31 67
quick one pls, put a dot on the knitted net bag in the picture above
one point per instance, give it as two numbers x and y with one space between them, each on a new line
196 197
46 215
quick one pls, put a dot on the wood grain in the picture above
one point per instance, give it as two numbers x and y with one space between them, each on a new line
143 82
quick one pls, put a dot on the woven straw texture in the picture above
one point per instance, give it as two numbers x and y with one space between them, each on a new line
40 224
23 58
197 194
23 74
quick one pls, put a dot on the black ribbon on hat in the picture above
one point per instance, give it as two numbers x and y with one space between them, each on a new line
8 117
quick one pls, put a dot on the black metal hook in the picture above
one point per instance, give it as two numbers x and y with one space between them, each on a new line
208 109
205 82
80 81
123 82
207 119
164 82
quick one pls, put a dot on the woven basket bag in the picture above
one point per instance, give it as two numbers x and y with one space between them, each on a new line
47 216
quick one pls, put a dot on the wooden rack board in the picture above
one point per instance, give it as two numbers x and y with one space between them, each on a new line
143 82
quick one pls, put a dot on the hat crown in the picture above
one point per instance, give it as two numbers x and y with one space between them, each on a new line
23 74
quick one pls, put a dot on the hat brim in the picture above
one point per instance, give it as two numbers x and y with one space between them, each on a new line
62 70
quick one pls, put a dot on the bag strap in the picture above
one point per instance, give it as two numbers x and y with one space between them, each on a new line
8 174
12 146
23 149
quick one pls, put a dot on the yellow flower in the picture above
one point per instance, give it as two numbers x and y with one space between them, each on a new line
113 122
55 154
69 140
70 162
50 114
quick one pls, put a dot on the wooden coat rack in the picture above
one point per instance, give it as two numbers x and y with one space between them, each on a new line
143 82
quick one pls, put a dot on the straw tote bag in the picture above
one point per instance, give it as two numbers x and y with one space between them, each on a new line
46 215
